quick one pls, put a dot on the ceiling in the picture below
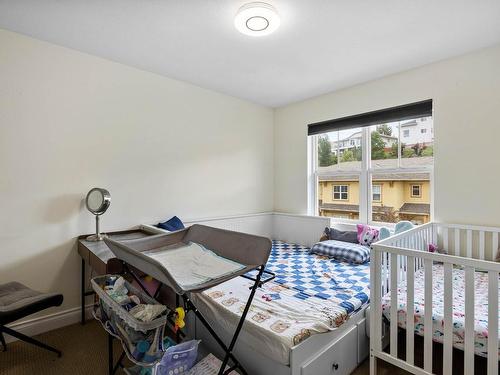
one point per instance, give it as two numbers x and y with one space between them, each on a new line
321 45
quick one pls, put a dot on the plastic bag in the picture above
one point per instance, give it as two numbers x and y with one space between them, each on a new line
179 359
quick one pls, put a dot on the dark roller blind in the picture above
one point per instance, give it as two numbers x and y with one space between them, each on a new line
399 113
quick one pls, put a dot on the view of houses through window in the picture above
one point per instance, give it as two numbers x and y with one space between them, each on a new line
380 173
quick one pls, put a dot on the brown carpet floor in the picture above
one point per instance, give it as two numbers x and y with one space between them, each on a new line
84 353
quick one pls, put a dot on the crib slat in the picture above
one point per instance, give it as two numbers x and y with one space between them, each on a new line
481 245
448 319
376 308
494 246
457 241
469 243
404 268
410 309
492 323
384 273
469 322
428 328
446 245
394 305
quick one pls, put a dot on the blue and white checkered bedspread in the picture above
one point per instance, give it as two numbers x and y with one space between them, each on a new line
313 275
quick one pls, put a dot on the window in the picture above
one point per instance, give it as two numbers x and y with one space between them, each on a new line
377 193
341 192
416 191
346 177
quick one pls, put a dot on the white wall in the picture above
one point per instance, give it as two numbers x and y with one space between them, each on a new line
466 94
70 121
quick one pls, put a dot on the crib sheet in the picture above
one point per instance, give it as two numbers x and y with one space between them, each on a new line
481 307
311 294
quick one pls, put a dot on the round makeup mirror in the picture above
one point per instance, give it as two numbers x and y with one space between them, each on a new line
97 202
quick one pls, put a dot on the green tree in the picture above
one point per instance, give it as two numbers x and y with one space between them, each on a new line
325 155
394 150
384 129
429 151
378 146
407 153
357 153
348 155
418 148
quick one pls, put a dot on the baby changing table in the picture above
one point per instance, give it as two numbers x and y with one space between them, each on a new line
247 252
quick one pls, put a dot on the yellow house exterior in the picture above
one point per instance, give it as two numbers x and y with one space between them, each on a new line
400 198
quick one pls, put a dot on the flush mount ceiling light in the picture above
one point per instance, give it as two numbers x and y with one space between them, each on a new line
257 19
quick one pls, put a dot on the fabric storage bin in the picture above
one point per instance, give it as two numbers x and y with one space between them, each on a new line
141 341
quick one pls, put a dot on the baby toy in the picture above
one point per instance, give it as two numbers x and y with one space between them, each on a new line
366 234
180 314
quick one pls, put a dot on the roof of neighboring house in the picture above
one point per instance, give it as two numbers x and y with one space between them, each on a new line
415 208
410 123
379 177
347 169
359 135
352 207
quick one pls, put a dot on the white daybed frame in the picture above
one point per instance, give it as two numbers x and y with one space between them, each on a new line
471 247
336 352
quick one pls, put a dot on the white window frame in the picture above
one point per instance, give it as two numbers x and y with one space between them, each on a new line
365 176
419 190
340 192
379 193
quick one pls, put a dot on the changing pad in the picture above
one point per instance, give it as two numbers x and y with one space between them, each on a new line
193 264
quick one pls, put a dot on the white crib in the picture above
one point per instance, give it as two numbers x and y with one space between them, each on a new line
469 247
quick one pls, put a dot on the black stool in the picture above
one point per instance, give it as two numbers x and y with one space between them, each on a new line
18 301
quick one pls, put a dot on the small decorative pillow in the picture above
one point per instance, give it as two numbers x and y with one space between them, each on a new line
343 251
367 235
402 226
172 224
384 233
339 235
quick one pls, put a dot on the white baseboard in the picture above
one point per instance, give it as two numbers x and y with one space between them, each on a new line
46 323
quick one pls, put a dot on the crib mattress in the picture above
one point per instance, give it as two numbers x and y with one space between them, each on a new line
480 315
311 294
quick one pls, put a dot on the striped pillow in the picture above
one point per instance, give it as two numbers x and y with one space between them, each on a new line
344 251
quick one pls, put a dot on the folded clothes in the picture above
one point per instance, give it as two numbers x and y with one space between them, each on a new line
147 313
